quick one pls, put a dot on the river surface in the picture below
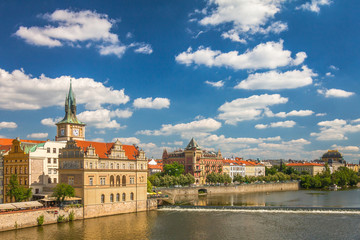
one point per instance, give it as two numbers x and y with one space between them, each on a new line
198 224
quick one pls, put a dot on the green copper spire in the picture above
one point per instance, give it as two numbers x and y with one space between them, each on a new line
70 108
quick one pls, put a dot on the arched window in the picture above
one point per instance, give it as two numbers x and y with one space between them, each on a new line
124 197
111 197
15 170
112 165
49 180
117 180
11 170
21 170
131 196
90 164
118 197
112 180
102 198
124 180
118 166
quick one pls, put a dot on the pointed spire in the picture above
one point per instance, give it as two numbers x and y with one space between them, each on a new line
70 108
193 144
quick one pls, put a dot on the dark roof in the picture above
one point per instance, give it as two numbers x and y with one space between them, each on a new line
332 154
192 144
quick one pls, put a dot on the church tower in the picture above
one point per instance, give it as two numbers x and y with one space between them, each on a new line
70 126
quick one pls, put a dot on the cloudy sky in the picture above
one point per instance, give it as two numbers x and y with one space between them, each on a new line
261 79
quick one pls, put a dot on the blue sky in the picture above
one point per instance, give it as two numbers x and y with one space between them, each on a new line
261 79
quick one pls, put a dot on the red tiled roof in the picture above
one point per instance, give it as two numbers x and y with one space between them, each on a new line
103 149
8 141
304 164
5 148
155 167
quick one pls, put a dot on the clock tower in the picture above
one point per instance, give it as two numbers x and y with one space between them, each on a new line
70 126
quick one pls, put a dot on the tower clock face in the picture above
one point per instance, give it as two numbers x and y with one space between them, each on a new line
76 132
62 132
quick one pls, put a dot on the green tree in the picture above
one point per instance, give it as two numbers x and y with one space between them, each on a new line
63 190
149 186
16 191
174 169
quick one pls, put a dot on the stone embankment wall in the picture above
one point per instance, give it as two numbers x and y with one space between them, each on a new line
243 188
107 209
23 219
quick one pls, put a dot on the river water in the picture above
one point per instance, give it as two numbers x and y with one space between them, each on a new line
199 224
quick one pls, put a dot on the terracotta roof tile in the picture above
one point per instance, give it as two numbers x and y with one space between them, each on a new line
103 149
8 141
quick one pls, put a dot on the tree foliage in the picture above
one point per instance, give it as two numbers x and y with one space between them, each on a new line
158 180
63 190
174 169
218 178
16 191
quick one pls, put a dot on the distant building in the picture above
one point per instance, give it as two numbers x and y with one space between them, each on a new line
196 161
311 168
233 168
154 166
334 158
4 149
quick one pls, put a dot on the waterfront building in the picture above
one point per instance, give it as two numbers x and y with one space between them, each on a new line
196 161
154 166
4 149
310 167
354 167
253 169
233 168
110 178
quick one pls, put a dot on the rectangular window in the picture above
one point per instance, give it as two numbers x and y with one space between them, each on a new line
102 181
49 160
54 150
71 180
132 180
54 170
91 165
49 171
55 161
91 181
48 150
55 180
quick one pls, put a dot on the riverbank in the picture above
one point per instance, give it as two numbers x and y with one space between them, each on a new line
242 188
29 218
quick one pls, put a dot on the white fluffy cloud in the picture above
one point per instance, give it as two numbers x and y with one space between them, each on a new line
8 125
335 130
157 103
293 113
346 148
37 135
217 84
335 93
128 141
22 91
275 80
314 5
285 124
245 16
72 28
50 121
102 118
250 108
186 130
268 55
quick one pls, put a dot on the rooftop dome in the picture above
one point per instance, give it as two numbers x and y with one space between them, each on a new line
332 154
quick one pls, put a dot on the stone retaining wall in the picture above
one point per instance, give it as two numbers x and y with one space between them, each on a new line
22 219
243 188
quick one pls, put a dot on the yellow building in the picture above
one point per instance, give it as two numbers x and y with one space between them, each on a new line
311 168
111 178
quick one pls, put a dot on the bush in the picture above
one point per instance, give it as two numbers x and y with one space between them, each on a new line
61 218
40 220
72 216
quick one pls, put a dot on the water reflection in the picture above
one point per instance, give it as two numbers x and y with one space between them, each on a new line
305 198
